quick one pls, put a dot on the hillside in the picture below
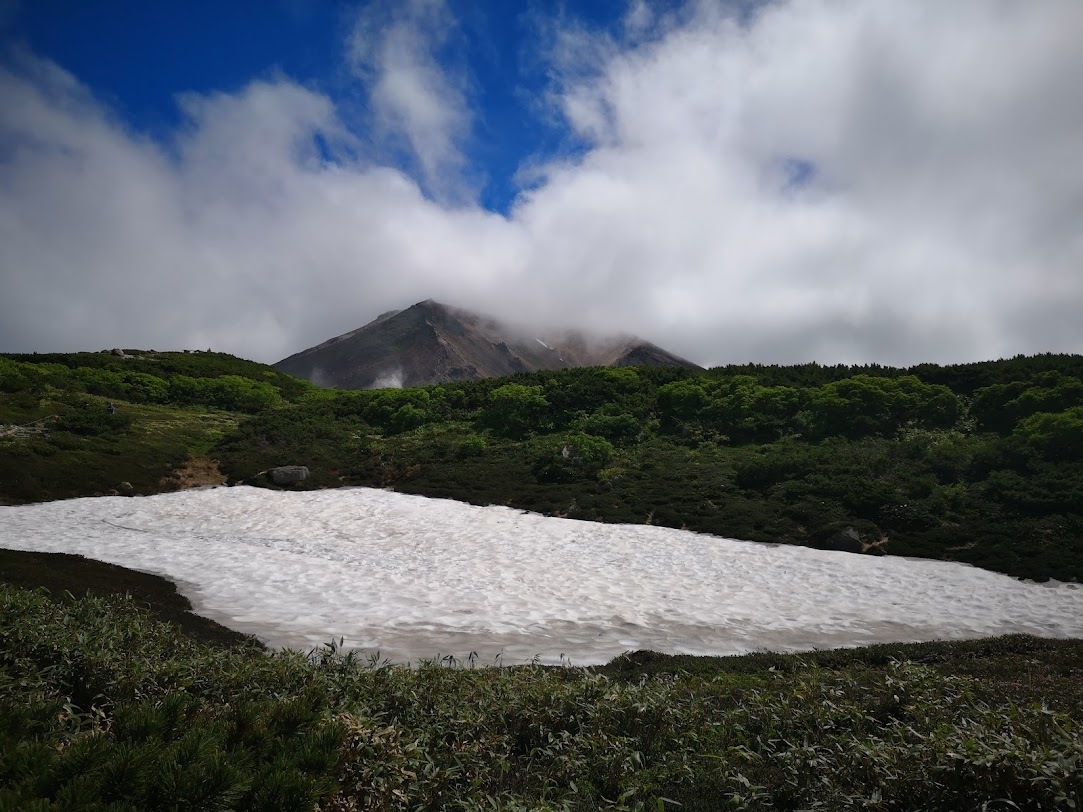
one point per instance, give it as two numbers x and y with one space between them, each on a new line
979 463
59 440
432 343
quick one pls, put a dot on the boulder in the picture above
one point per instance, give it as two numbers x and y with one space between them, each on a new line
844 541
288 474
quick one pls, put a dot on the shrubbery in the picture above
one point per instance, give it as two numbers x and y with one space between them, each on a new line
1057 436
93 421
101 707
568 457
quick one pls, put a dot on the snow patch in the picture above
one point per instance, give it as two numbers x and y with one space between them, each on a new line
417 578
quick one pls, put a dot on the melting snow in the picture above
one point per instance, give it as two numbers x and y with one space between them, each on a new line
417 578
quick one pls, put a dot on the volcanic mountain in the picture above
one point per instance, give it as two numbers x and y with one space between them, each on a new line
434 343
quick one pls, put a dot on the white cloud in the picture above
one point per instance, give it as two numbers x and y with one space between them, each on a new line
394 49
830 180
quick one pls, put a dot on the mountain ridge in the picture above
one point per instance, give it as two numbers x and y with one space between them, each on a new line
430 342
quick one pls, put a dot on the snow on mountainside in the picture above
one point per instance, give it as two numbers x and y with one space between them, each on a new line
434 343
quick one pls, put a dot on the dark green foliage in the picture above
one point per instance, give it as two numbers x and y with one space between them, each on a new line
73 446
618 428
102 708
567 457
394 410
68 576
70 444
308 435
133 715
1001 406
1058 436
861 406
744 411
229 392
515 410
962 379
165 365
93 421
976 462
207 379
682 400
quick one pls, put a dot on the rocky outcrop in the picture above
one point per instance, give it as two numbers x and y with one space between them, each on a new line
288 474
844 541
433 343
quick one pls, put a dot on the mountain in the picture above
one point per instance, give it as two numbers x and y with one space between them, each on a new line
434 343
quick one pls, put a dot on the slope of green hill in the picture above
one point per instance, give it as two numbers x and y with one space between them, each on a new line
60 439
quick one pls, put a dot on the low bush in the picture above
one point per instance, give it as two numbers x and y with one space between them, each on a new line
102 707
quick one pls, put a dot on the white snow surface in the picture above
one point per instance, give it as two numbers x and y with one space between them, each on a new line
417 578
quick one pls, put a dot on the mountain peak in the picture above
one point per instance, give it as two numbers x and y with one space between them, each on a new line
430 342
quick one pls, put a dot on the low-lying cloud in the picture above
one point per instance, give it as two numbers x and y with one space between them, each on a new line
832 181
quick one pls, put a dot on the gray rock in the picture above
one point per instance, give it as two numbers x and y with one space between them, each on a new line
844 541
125 487
288 474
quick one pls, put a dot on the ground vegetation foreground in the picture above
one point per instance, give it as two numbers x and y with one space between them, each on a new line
106 706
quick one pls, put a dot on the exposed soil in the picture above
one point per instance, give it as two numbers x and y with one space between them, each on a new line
60 573
198 471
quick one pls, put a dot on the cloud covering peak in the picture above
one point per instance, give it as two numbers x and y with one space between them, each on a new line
824 180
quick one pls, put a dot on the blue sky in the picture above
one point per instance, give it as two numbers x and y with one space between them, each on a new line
139 56
736 180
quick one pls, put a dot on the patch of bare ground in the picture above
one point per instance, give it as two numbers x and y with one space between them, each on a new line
880 545
198 471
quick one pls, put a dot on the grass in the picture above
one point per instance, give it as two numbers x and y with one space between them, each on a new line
82 453
104 707
69 577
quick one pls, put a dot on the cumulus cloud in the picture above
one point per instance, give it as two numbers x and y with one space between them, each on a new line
825 180
393 49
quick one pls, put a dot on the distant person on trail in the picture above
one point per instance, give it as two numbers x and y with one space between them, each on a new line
111 409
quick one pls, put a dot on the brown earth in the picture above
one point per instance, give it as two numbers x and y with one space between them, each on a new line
198 471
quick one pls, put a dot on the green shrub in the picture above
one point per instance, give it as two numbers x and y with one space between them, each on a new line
569 456
94 421
472 445
515 410
617 428
102 708
1058 436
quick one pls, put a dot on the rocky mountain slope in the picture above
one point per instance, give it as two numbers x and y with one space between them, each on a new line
434 343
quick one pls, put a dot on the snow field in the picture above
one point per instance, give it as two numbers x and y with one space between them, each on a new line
418 578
